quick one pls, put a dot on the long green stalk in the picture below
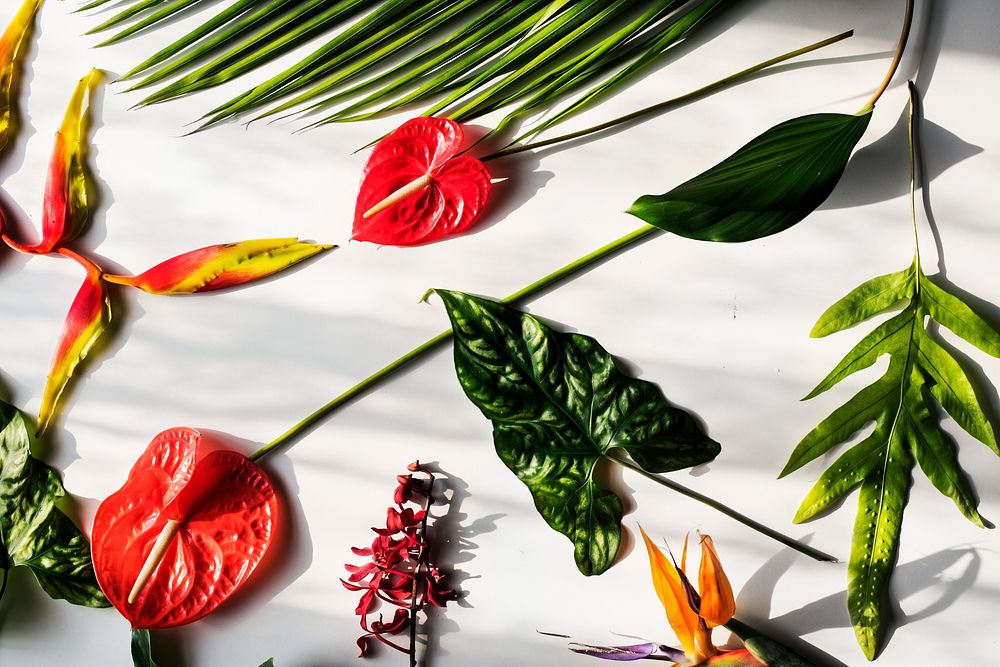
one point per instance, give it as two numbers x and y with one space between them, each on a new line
417 353
897 57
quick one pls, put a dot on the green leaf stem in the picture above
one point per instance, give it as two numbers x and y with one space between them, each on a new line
559 405
34 531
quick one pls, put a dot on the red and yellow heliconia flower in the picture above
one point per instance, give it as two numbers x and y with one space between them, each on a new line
10 49
66 211
221 266
693 613
88 319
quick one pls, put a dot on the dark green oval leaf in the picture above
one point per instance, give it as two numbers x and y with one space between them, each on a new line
34 532
765 187
558 404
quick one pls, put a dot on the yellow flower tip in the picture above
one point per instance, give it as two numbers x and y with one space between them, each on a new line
718 604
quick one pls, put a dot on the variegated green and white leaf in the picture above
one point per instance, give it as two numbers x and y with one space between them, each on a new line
558 404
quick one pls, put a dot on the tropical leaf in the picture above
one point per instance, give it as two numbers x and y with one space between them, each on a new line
559 404
922 375
34 532
462 58
767 186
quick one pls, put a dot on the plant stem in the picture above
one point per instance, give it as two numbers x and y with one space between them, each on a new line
671 103
912 139
897 56
3 585
419 352
728 511
421 557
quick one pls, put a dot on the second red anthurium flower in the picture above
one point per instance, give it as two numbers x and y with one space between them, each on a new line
416 188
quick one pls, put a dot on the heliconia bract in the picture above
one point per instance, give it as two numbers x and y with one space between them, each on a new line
220 266
10 49
66 211
88 319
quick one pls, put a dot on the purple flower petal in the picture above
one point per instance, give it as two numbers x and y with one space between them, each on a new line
617 653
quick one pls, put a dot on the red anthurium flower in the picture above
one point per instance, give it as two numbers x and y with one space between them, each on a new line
65 212
415 189
87 321
184 533
220 266
10 48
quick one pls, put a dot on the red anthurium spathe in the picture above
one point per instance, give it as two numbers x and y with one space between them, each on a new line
10 48
88 319
186 530
415 189
66 211
221 266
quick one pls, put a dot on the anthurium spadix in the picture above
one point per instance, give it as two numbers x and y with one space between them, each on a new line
65 211
88 319
221 266
11 47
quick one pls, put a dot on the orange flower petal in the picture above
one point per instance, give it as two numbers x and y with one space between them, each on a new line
10 49
221 266
717 602
671 591
86 322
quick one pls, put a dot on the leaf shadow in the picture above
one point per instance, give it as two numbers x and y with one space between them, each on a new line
909 579
757 593
453 543
872 175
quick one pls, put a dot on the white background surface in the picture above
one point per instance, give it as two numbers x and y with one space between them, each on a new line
722 329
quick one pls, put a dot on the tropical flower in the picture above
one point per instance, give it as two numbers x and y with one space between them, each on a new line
416 188
693 613
399 572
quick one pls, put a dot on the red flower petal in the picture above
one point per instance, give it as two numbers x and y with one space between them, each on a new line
449 199
225 507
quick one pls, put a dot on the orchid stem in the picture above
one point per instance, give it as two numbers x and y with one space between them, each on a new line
897 56
728 511
671 103
421 351
421 558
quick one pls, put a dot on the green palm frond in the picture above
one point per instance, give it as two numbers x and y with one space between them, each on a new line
457 58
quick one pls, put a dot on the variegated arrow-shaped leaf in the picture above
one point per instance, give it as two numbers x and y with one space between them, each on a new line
559 404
